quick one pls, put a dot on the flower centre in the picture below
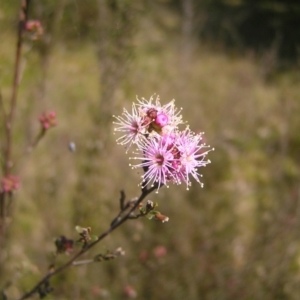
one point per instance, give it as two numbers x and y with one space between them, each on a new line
159 159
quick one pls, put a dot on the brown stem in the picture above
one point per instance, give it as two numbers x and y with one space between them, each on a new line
2 108
13 101
35 142
9 117
11 113
144 194
83 262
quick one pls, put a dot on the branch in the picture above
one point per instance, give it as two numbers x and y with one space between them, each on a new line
114 225
2 108
9 118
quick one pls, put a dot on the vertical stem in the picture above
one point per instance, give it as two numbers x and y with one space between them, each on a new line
144 194
13 101
9 118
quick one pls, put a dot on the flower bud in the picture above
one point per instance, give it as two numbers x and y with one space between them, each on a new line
149 205
10 183
161 217
161 119
130 292
152 113
34 27
160 251
48 119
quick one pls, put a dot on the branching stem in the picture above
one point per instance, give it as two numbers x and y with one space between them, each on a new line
114 225
9 117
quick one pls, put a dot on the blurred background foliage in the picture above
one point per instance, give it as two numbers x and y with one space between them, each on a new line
233 66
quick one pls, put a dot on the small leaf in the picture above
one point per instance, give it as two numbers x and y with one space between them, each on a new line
149 217
142 210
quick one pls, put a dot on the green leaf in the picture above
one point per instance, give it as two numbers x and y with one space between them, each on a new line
149 216
142 210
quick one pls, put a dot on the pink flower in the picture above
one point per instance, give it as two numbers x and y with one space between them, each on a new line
146 119
191 155
130 292
48 119
161 115
34 27
167 154
132 125
10 183
157 161
160 251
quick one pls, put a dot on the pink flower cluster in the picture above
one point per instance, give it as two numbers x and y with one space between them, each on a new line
35 28
48 119
10 183
166 153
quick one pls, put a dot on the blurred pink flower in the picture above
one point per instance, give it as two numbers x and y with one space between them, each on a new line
160 251
99 292
35 28
48 119
10 183
130 292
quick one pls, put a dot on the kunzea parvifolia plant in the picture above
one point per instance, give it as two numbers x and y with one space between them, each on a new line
162 147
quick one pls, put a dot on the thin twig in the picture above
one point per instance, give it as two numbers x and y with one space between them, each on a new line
83 262
2 107
122 200
35 142
123 208
13 101
11 113
144 194
4 118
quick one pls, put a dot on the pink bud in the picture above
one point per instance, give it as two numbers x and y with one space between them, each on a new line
160 251
10 183
130 292
35 28
48 119
161 217
161 119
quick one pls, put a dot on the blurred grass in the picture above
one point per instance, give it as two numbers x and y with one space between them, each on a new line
235 239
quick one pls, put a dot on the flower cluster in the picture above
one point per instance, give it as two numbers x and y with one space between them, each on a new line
48 120
35 28
10 183
166 153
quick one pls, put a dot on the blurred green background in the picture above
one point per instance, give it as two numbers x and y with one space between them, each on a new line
233 66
